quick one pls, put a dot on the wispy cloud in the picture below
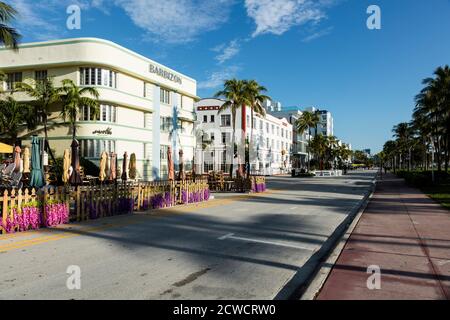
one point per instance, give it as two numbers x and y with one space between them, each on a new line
31 22
278 16
176 21
217 78
227 51
318 34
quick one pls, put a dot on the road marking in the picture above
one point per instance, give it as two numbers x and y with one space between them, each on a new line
232 237
293 208
152 214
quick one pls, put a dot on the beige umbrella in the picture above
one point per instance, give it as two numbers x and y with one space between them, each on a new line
132 166
103 163
17 152
170 164
26 160
66 166
113 167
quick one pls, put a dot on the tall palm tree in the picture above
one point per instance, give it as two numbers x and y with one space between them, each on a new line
234 93
74 98
13 115
45 95
307 121
8 35
318 146
255 96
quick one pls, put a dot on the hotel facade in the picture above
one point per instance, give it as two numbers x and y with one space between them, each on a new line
271 141
145 107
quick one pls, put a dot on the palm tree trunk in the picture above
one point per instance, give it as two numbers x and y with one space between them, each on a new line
233 139
309 146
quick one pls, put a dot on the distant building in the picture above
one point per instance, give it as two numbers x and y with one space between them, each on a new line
299 139
326 122
272 138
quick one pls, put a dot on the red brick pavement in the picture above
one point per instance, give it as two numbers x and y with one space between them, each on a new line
407 235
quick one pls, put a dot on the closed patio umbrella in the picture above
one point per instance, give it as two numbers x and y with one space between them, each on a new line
124 167
103 163
75 177
37 177
113 167
26 160
180 153
66 166
17 152
132 167
170 164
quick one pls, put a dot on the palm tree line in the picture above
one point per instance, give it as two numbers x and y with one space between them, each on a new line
241 93
427 135
326 150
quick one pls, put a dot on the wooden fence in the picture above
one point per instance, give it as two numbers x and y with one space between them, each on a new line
92 202
221 183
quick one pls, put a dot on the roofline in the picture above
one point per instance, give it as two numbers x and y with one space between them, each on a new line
93 40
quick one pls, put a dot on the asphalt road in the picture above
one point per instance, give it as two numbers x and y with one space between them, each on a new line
232 247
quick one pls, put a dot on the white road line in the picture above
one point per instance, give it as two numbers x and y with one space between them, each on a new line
232 237
293 208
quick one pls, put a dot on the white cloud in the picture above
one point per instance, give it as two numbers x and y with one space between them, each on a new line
176 21
216 79
278 16
227 51
29 20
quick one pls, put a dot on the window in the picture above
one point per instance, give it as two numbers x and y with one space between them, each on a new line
267 127
205 119
225 120
273 129
225 137
107 113
165 96
93 148
40 75
260 125
98 77
12 79
166 124
212 137
212 119
248 121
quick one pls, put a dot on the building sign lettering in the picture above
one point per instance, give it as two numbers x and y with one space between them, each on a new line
165 74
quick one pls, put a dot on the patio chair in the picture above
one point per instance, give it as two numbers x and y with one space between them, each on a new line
16 180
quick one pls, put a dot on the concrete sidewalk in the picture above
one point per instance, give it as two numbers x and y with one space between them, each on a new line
407 235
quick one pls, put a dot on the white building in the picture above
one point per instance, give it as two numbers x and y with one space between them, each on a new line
271 142
326 122
300 140
145 106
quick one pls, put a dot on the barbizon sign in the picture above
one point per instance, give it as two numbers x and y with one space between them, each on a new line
165 74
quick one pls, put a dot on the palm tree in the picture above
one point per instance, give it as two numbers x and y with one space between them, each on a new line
234 94
8 35
318 146
254 93
403 133
307 121
13 115
45 95
74 99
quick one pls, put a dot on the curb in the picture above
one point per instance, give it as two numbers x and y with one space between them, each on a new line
305 285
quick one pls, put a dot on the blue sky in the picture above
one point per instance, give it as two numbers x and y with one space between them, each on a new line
306 52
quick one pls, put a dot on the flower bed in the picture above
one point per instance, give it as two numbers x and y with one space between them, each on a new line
55 214
26 218
259 185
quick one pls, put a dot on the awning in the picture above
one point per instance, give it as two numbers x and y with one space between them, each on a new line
5 148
